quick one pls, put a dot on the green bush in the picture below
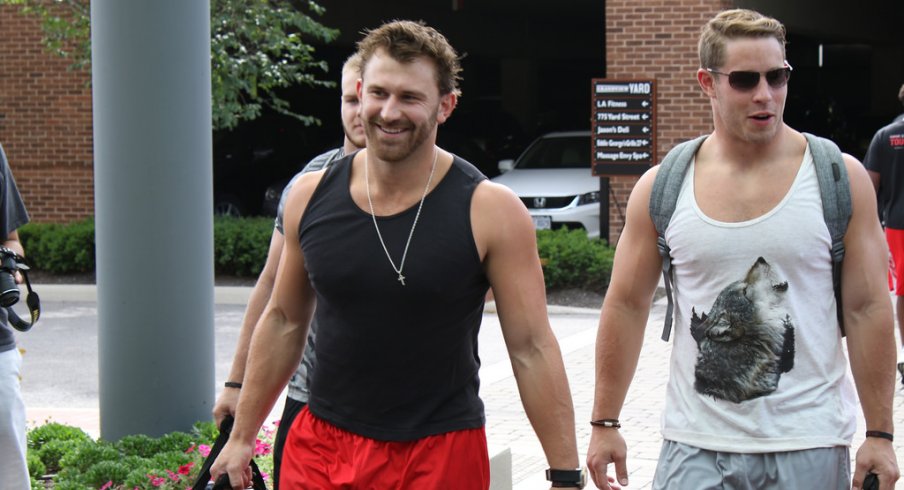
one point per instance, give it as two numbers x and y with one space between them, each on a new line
36 467
571 260
240 249
104 471
53 431
88 455
170 462
241 245
56 450
60 249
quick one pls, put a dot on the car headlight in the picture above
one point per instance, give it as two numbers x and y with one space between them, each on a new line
589 198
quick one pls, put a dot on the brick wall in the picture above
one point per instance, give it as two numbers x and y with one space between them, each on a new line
45 123
658 39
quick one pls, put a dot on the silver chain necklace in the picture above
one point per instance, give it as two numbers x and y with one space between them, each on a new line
373 215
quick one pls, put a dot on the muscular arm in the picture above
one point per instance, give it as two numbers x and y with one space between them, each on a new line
260 294
869 324
276 344
506 238
635 274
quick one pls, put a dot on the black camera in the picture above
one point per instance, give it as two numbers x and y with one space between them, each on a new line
10 264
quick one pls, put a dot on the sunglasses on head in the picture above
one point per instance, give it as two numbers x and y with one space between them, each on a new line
744 81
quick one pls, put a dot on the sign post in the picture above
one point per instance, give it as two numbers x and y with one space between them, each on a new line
623 133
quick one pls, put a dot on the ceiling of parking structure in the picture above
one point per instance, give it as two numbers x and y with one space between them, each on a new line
509 28
864 21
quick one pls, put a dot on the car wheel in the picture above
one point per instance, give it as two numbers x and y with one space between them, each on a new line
228 206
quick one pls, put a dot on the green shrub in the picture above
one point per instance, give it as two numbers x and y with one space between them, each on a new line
88 455
138 445
60 249
571 260
36 467
241 245
53 451
53 431
104 471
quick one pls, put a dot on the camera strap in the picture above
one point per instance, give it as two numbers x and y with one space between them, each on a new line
34 308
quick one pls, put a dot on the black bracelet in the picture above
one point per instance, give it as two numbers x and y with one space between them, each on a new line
609 423
233 384
880 434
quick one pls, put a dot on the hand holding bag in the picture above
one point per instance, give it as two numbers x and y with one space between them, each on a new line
222 483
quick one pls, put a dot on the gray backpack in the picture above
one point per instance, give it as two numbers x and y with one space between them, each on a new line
834 188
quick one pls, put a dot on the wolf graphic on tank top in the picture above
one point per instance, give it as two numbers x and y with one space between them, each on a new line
746 340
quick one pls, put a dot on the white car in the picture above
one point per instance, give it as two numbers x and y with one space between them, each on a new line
553 178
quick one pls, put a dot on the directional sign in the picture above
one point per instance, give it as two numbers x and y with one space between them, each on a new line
624 126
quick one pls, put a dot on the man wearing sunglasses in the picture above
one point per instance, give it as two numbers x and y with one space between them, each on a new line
758 394
885 164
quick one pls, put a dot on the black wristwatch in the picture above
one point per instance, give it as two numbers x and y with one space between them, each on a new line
567 478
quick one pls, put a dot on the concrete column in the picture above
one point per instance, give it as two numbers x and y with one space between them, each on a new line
154 214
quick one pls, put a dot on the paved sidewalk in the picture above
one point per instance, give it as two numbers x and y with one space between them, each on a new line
50 348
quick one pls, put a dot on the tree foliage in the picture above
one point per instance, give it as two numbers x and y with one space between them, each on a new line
257 48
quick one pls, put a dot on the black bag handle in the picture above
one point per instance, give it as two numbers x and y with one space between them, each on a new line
222 483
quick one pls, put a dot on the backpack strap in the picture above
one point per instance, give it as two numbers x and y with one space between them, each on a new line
835 189
662 205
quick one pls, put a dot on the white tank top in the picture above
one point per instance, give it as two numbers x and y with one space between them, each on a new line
768 372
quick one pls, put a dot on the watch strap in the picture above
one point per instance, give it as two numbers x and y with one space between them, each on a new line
565 478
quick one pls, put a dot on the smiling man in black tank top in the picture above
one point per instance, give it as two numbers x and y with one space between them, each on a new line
397 246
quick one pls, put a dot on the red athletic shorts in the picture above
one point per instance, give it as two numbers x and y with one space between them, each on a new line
896 260
321 456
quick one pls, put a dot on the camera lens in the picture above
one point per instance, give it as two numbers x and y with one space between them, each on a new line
9 297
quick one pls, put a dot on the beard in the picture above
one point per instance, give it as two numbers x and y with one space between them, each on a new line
397 149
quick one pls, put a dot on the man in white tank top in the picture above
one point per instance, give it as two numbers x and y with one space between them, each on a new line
758 393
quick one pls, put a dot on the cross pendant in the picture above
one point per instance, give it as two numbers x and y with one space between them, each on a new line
401 279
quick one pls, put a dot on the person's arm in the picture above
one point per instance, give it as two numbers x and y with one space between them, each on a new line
506 238
869 324
635 274
12 242
276 344
260 294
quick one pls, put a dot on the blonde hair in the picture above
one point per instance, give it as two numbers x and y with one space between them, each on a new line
405 40
735 24
353 64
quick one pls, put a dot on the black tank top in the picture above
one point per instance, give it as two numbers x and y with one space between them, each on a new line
396 362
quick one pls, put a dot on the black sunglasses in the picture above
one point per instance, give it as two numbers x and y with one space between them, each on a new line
744 81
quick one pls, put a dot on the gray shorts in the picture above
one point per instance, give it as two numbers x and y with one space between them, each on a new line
687 467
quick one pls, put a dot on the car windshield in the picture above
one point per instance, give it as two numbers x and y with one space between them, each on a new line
557 152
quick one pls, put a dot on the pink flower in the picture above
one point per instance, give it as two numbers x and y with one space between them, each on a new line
156 481
186 468
106 485
261 448
190 449
276 423
173 476
204 449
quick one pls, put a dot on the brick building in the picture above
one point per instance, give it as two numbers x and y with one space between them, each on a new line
45 109
45 123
